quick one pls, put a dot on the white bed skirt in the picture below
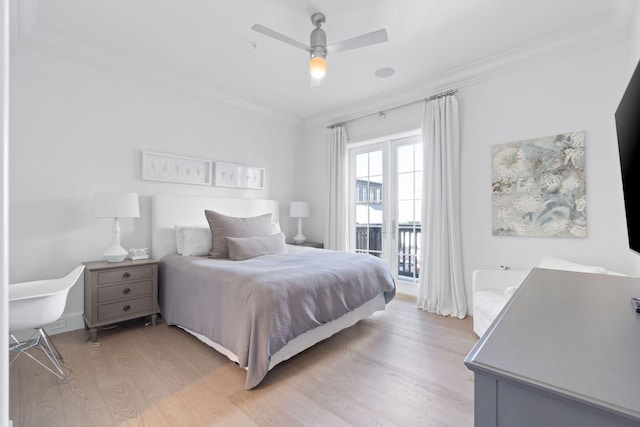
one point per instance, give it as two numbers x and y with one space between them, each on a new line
309 338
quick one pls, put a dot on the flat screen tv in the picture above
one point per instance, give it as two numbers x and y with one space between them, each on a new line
628 127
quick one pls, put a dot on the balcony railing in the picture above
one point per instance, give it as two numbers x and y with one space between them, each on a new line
369 239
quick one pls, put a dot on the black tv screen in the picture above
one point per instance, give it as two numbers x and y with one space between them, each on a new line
628 128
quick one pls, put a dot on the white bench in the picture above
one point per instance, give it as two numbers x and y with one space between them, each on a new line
493 288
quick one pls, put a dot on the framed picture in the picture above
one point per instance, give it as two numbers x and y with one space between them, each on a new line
251 177
538 187
227 175
179 169
238 176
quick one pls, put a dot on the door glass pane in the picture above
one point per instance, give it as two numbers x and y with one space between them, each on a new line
409 203
375 163
405 158
418 157
369 187
406 188
362 165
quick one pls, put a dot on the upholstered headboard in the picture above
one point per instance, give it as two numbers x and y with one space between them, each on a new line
167 211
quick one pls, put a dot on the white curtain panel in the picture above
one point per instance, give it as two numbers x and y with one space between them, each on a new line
336 232
441 288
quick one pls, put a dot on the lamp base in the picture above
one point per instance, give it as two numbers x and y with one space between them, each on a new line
299 239
115 254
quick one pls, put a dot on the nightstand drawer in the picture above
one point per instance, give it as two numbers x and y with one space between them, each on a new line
125 290
125 308
125 274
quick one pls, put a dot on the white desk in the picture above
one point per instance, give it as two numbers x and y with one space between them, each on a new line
565 351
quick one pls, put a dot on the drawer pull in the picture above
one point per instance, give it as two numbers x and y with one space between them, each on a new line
126 291
126 307
126 275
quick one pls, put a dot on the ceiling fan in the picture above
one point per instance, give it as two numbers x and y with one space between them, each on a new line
318 48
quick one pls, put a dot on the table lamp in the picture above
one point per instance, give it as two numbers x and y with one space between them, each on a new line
299 210
116 205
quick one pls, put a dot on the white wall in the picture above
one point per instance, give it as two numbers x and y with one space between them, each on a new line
577 92
634 44
78 128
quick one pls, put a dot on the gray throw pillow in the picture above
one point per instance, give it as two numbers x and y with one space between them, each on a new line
223 226
241 248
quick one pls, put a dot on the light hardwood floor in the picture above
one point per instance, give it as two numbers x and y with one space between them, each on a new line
400 367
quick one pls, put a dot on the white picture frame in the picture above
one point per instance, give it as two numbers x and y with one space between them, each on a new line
239 176
179 169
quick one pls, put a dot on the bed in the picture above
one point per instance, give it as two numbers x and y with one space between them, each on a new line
260 310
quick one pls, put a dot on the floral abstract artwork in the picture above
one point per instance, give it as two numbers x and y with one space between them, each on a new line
538 187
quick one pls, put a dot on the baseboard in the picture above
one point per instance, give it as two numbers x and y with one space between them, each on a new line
68 322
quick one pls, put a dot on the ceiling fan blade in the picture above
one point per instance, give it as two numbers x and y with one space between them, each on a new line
374 37
269 32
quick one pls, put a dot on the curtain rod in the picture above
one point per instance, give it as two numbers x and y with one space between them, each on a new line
382 113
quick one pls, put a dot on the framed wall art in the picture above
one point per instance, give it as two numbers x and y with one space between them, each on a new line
538 187
239 176
178 169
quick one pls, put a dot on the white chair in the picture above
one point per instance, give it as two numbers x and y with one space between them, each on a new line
33 305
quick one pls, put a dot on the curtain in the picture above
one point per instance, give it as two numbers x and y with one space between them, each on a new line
441 287
336 232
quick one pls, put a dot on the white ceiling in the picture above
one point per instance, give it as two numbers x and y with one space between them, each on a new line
432 43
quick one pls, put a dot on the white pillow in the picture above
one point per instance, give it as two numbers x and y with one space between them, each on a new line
555 263
193 241
241 248
275 228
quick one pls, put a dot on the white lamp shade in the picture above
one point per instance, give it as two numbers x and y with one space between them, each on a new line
116 205
299 210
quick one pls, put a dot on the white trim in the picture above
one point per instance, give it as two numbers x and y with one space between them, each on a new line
4 221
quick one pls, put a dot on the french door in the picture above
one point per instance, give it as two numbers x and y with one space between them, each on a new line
386 205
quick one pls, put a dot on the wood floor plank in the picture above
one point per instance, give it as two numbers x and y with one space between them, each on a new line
39 396
83 401
400 367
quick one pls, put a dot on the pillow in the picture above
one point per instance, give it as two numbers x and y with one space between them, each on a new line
554 263
193 241
275 228
223 226
250 247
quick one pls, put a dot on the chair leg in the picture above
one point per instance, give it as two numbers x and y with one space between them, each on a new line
51 345
14 347
48 348
53 354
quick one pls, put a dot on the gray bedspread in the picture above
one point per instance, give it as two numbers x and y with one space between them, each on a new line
254 307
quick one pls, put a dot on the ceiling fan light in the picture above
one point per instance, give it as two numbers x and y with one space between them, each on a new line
318 67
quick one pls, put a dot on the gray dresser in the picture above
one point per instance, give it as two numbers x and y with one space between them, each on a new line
564 352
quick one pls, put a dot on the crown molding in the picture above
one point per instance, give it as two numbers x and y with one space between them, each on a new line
615 27
63 46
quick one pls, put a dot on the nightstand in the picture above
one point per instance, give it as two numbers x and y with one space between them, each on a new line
311 244
119 291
